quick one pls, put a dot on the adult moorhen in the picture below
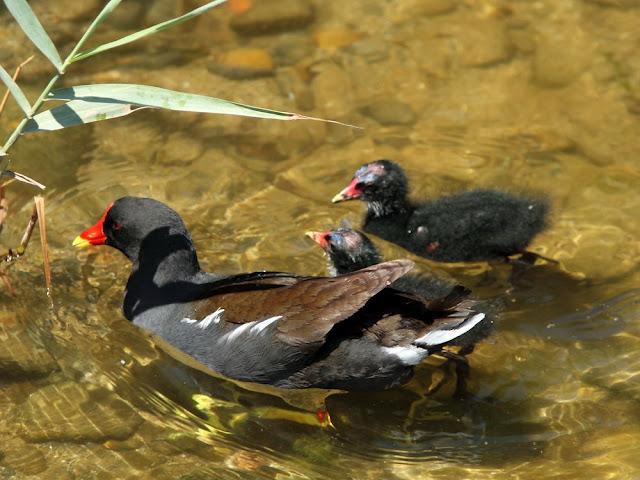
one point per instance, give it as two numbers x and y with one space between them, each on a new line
348 332
470 226
348 250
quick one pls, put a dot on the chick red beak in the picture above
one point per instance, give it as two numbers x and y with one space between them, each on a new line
320 238
93 235
349 193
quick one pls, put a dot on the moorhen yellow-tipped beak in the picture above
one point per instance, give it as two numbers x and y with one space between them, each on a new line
350 192
338 197
80 242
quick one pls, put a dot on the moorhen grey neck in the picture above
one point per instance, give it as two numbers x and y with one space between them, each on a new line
348 332
471 226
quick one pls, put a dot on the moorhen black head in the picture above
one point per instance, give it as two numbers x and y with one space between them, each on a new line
346 332
470 226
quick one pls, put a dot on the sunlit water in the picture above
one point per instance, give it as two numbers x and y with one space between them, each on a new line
523 96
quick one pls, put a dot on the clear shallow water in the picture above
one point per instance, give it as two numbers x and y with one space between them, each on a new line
517 95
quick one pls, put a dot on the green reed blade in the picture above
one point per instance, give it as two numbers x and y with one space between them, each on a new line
146 32
149 96
31 26
16 91
77 112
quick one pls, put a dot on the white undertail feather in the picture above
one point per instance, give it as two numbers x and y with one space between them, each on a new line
408 354
438 337
414 353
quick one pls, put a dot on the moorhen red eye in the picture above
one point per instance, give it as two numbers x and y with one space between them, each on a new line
349 332
471 226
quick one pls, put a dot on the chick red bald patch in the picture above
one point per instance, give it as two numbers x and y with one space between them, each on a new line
321 238
352 191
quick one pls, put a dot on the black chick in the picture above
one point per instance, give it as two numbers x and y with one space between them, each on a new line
470 226
348 250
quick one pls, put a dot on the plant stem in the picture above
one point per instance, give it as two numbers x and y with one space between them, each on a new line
108 8
15 77
16 133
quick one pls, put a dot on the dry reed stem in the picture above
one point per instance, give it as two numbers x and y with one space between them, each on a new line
42 226
11 256
4 208
15 77
26 236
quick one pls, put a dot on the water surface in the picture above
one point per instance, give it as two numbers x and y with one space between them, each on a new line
522 96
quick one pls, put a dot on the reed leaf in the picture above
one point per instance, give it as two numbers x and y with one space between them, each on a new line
33 29
145 32
7 176
77 112
16 91
104 13
148 96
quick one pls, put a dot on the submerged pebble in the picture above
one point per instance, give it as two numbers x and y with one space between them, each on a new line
292 86
485 44
334 38
371 49
390 112
269 16
21 355
22 457
616 3
292 48
243 63
332 90
76 414
438 7
561 55
411 9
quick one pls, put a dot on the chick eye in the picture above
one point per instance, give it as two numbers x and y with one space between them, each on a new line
360 185
117 227
327 238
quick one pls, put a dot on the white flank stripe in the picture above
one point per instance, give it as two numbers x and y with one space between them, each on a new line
233 334
409 355
438 337
260 326
255 327
215 317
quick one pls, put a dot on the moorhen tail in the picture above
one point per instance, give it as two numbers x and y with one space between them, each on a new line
470 226
349 250
346 332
